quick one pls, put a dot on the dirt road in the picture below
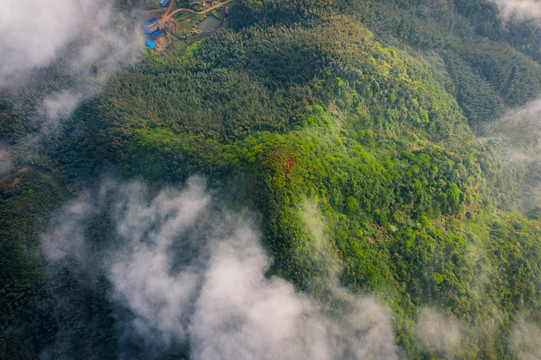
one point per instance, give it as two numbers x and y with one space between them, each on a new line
196 12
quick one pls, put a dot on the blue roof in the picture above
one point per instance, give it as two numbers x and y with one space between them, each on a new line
150 22
149 44
155 33
163 2
146 26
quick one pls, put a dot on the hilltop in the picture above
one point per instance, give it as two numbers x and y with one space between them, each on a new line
356 131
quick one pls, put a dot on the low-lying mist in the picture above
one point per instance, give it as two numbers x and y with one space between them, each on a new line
520 131
184 274
519 9
91 35
57 54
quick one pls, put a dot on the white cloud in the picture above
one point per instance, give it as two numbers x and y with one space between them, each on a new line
35 33
525 340
86 40
65 238
520 130
5 161
187 268
519 9
438 333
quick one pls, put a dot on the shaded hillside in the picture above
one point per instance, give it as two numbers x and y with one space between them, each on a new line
350 128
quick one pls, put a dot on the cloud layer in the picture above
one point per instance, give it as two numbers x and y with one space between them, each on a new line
519 9
526 339
37 33
437 333
56 54
183 268
520 130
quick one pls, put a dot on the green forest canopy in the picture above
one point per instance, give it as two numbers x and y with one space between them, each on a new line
372 111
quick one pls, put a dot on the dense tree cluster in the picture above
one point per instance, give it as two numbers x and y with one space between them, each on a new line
365 113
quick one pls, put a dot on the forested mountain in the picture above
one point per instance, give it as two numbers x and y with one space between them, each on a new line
368 137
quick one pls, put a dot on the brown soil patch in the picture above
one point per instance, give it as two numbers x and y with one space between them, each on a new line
26 168
171 26
160 44
15 183
3 114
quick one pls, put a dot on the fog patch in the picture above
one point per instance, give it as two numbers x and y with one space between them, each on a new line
317 245
520 131
58 54
65 238
525 340
437 333
36 33
58 107
184 268
519 9
5 161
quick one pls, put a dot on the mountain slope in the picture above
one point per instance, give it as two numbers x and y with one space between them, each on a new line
354 130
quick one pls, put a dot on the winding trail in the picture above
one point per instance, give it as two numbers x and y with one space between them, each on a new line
167 13
167 16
